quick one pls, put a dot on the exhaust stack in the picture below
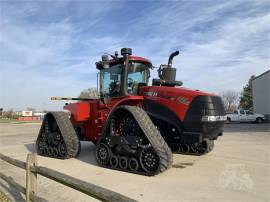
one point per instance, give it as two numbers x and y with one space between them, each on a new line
171 58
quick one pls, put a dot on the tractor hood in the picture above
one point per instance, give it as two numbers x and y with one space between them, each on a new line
172 93
180 99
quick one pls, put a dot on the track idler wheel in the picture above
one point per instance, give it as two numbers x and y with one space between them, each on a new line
149 160
103 154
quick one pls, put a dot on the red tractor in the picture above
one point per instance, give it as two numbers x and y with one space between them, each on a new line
135 127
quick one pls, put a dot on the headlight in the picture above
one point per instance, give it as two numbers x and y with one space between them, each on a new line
213 118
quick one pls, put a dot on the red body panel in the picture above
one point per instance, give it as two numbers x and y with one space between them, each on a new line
92 115
81 111
176 99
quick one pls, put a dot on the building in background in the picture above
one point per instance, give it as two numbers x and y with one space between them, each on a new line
27 113
30 116
261 94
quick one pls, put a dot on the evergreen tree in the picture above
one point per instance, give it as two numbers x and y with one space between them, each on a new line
246 101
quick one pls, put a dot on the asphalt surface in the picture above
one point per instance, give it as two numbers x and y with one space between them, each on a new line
236 170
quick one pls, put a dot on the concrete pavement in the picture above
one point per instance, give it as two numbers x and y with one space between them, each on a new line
236 170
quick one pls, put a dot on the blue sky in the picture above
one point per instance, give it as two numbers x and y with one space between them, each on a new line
48 48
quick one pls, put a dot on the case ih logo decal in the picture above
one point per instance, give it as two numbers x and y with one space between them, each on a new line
183 100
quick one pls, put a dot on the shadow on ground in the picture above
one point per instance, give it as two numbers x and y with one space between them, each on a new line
87 154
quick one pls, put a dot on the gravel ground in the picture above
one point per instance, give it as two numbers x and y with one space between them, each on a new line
236 170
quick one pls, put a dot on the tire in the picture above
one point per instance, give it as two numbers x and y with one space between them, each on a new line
229 121
259 120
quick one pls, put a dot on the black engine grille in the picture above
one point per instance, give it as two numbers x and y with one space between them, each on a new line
205 106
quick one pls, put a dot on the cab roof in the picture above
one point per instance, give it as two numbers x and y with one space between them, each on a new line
99 65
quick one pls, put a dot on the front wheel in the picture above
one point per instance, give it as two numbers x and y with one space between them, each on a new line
228 121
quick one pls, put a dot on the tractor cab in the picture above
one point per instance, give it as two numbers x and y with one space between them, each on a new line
122 76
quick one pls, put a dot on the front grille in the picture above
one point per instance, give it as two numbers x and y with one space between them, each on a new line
204 106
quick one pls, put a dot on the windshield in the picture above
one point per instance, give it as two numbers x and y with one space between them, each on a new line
110 79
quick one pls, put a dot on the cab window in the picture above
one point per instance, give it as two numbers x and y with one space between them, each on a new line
138 75
110 79
242 112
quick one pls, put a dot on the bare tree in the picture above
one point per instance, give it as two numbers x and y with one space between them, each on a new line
230 99
89 93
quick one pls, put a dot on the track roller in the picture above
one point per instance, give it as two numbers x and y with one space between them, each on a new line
123 162
133 164
114 161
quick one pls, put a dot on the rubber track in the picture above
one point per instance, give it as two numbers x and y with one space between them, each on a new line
153 135
67 132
